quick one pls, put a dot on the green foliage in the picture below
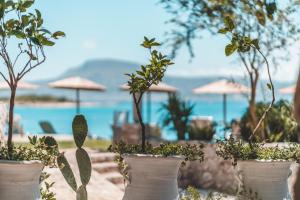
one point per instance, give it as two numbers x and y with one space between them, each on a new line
189 152
21 29
192 193
177 113
279 125
43 149
239 42
205 133
238 150
149 74
80 129
45 190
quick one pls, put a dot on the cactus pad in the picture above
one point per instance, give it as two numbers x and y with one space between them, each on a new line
67 172
80 130
84 165
81 193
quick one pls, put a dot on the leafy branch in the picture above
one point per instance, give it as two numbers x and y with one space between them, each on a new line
148 75
243 44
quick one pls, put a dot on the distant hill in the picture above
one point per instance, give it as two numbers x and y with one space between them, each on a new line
110 72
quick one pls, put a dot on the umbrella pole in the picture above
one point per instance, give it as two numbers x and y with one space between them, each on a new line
77 101
149 107
225 109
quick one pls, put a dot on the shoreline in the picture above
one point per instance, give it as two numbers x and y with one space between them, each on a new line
67 104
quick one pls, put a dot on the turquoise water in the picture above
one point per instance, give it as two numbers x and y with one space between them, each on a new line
100 117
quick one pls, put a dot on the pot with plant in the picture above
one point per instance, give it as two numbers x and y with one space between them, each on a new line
151 171
21 166
263 169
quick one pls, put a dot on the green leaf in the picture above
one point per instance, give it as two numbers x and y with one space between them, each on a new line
230 49
80 130
269 86
229 23
260 15
2 8
223 30
47 42
255 42
38 14
28 3
50 141
81 193
58 34
18 34
84 165
66 171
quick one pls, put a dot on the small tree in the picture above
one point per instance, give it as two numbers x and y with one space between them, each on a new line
273 24
149 74
177 112
22 31
243 44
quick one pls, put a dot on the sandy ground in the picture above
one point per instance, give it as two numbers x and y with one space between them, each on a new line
98 188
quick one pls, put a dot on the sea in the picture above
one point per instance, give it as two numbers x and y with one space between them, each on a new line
100 116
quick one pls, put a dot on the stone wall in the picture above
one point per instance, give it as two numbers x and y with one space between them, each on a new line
213 173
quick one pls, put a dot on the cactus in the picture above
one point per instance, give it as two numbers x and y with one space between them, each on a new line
80 130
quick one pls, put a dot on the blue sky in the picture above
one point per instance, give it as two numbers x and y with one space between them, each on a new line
114 29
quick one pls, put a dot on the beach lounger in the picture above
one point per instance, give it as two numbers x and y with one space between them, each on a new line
47 127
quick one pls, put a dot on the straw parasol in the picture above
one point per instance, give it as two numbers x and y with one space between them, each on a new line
160 88
223 87
77 83
21 85
288 90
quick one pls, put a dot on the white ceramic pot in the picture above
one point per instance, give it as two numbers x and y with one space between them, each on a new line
267 178
152 177
19 180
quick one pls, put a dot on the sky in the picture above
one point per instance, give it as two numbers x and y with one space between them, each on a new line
98 29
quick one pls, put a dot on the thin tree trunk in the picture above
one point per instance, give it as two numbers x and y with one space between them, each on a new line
141 123
11 117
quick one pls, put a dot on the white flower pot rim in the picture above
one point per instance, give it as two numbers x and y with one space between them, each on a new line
266 161
23 162
151 156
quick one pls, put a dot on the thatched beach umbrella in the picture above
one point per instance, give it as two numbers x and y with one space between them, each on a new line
288 90
77 83
223 87
160 88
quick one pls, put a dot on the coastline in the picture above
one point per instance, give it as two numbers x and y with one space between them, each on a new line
67 104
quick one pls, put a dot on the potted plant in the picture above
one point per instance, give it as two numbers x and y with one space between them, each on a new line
263 169
21 166
151 171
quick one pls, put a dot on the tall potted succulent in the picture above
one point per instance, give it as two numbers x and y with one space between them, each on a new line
263 169
20 167
151 171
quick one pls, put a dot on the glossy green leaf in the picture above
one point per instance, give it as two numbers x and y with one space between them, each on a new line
28 3
66 171
80 130
230 49
58 34
84 165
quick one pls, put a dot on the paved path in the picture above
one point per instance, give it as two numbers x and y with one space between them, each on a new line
99 187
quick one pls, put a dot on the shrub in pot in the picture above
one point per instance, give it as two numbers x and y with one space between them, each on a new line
151 171
21 166
263 169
